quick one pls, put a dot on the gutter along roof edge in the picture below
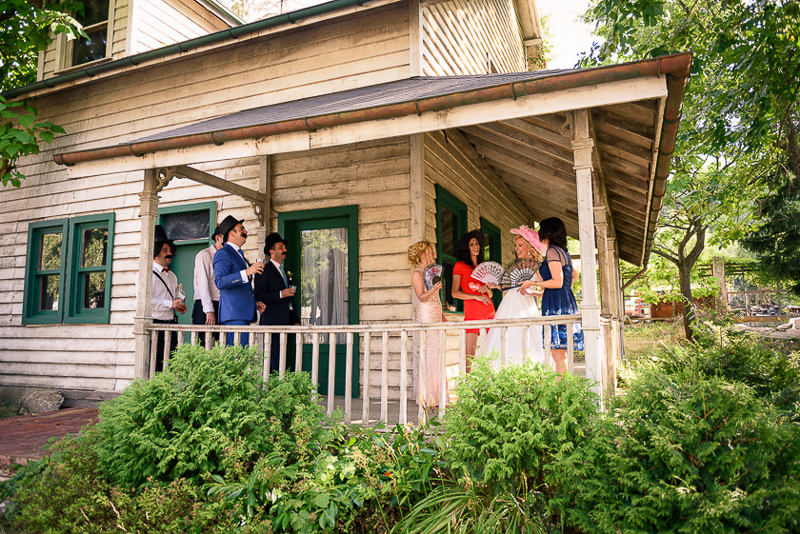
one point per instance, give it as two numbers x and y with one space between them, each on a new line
676 65
231 34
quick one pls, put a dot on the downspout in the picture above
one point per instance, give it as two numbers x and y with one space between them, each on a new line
231 34
677 64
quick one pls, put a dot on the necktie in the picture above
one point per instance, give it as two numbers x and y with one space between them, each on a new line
283 274
241 253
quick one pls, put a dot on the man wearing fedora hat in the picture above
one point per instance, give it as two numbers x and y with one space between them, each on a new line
273 287
232 276
165 300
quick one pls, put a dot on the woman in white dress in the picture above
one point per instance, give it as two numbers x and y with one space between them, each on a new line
520 303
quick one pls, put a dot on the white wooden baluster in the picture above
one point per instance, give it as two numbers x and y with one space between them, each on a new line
365 381
298 352
348 380
181 338
268 357
167 345
403 377
547 336
442 372
153 351
526 332
503 345
462 351
194 337
421 400
315 359
331 370
237 338
209 341
385 377
570 349
282 342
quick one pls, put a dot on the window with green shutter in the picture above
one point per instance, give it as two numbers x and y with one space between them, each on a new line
68 271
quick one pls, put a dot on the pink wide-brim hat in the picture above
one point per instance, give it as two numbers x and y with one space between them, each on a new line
531 236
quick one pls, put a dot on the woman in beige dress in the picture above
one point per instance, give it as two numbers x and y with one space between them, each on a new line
429 310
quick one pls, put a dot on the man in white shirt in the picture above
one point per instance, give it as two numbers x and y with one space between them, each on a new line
206 294
165 301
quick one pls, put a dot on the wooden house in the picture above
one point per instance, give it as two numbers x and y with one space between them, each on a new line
355 128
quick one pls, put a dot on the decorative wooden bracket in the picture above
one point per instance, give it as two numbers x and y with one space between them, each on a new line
261 213
163 177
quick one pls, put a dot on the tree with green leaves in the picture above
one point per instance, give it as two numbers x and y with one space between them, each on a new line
25 29
740 110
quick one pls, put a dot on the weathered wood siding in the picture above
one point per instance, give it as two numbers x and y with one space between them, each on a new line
471 37
350 51
374 175
453 163
160 23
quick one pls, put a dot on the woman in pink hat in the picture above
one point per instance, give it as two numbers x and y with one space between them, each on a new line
520 303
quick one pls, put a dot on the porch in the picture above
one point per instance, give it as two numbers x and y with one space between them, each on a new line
396 399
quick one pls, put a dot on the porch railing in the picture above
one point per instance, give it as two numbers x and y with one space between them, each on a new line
372 336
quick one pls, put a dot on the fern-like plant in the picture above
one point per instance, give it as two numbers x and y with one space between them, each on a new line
179 424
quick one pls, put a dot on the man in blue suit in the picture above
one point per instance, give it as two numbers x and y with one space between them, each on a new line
232 276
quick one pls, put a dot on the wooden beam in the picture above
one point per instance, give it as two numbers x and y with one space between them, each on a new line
499 142
148 211
220 183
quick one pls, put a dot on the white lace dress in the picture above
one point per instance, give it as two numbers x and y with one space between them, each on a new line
515 305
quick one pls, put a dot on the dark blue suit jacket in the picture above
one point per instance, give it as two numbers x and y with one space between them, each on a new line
236 301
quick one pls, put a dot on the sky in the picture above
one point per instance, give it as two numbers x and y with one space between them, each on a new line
568 36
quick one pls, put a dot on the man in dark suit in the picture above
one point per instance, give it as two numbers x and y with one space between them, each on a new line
232 276
273 288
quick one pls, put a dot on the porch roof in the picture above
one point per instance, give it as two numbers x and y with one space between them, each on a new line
634 134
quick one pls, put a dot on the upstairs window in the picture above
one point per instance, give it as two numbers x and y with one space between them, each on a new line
68 271
96 20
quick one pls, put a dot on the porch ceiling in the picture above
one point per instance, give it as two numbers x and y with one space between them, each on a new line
534 156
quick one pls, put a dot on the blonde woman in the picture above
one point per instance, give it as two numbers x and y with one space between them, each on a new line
429 310
520 304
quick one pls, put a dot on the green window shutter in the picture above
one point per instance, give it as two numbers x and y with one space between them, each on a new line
45 267
451 224
91 245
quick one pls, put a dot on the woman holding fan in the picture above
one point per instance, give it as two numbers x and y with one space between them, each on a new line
520 303
556 278
429 310
476 295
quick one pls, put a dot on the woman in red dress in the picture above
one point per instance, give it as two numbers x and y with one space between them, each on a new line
476 296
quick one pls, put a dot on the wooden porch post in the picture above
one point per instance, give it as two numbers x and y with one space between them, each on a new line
148 211
582 145
418 232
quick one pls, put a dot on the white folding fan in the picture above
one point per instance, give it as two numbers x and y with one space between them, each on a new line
489 272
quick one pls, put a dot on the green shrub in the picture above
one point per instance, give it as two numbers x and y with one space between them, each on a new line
360 481
738 357
509 438
66 492
178 424
683 452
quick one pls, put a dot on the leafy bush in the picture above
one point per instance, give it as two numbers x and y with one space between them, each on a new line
737 357
684 452
510 437
360 481
179 424
67 492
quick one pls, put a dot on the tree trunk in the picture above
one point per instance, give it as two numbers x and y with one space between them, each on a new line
685 284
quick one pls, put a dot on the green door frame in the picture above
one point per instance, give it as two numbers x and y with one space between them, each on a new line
290 225
199 244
